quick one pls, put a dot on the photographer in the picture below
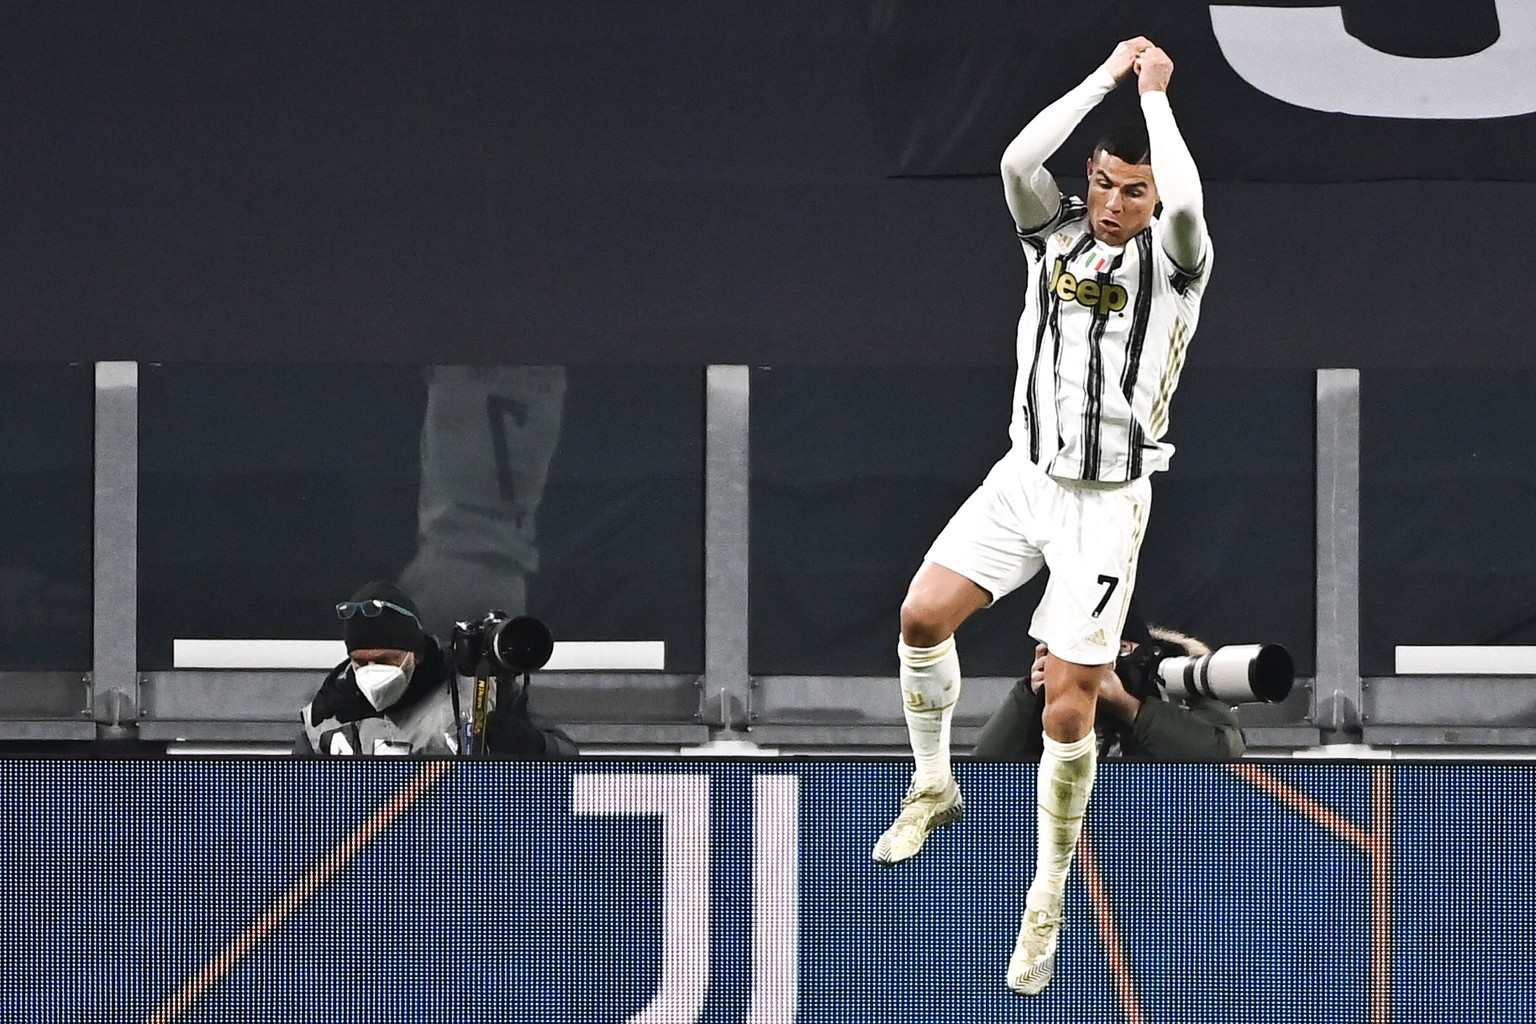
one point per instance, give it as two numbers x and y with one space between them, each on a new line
1136 721
399 694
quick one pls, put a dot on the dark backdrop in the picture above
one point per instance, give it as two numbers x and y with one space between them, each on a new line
567 181
808 185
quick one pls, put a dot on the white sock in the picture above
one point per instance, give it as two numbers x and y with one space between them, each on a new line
1061 794
930 686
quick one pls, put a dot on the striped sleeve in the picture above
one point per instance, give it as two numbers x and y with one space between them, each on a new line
1070 208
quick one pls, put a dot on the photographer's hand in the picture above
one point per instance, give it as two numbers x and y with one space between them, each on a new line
1120 701
513 735
1037 670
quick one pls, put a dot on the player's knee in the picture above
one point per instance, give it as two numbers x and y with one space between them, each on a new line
923 622
1071 698
1067 721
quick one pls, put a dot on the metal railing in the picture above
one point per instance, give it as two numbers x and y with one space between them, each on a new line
658 710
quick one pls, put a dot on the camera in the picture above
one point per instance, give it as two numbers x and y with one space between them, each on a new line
1235 674
506 645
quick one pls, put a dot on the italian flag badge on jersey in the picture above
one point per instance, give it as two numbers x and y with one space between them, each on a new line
1096 261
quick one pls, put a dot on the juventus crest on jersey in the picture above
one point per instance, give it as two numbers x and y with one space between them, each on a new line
1101 346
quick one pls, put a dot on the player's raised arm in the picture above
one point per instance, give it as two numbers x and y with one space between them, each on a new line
1173 168
1032 194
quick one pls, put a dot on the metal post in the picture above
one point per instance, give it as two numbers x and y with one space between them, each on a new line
1337 697
114 657
726 697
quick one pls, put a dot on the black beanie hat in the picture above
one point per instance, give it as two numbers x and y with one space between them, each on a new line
387 630
1135 628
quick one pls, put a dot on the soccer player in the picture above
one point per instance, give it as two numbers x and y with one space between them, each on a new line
1113 294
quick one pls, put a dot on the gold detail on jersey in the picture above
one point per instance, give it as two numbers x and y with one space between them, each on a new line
1178 345
1106 298
1097 638
1139 529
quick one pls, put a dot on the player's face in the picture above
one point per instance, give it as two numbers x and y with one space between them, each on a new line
1121 198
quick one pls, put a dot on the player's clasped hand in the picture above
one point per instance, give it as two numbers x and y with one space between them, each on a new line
1122 61
1154 69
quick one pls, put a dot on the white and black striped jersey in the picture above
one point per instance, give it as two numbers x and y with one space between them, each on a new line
1101 346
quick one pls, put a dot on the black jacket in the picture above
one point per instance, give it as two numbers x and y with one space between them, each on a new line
424 722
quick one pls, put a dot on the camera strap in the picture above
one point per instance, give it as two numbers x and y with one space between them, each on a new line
481 712
460 733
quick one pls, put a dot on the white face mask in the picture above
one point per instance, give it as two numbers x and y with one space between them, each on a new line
382 684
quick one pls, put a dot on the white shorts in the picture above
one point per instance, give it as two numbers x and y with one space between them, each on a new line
1088 534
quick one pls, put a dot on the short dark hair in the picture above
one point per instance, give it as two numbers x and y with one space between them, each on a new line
1127 141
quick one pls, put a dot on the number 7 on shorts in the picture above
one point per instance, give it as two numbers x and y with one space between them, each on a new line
1113 581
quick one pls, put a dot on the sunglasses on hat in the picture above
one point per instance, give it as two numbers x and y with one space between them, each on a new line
372 609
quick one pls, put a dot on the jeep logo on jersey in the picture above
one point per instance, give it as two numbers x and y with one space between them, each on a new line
1106 298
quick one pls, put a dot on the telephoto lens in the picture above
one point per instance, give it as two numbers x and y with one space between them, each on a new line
514 646
519 645
1235 674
